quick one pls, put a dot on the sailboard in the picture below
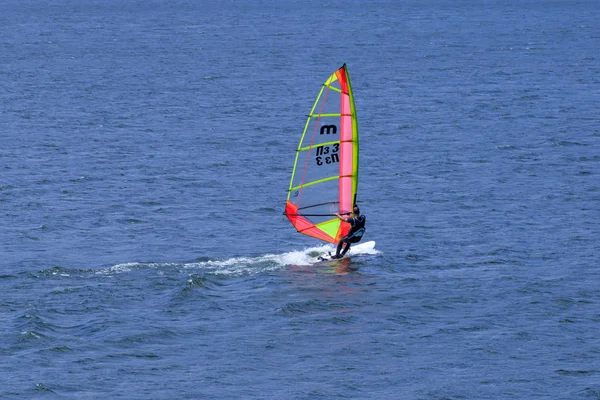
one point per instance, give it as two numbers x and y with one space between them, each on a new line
325 174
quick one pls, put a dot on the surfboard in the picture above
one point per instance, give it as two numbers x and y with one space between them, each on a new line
356 250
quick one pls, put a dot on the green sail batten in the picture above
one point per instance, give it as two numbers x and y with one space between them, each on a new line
329 115
332 88
324 115
314 146
313 183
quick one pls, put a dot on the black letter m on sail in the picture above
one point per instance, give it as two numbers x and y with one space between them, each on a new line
328 129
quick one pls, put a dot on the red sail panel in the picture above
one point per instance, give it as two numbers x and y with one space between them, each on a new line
304 226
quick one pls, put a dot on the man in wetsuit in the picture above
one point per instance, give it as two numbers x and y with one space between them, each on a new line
356 231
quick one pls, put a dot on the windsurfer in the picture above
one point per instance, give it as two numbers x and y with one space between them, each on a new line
357 230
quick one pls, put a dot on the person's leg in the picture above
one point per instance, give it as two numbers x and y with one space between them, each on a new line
345 249
349 242
339 248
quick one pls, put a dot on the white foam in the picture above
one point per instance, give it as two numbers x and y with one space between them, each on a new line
119 268
250 265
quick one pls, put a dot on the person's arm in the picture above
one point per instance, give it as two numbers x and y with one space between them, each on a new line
340 217
345 219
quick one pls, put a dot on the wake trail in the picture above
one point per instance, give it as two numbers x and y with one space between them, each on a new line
237 266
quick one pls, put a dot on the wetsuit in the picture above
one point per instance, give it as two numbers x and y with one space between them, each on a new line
354 236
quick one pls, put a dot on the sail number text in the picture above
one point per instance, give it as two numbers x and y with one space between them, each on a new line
328 154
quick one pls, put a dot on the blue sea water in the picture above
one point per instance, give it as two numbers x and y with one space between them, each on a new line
145 152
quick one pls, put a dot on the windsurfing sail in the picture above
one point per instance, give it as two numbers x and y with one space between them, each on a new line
325 174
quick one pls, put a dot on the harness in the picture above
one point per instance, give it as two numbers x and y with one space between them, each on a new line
358 234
